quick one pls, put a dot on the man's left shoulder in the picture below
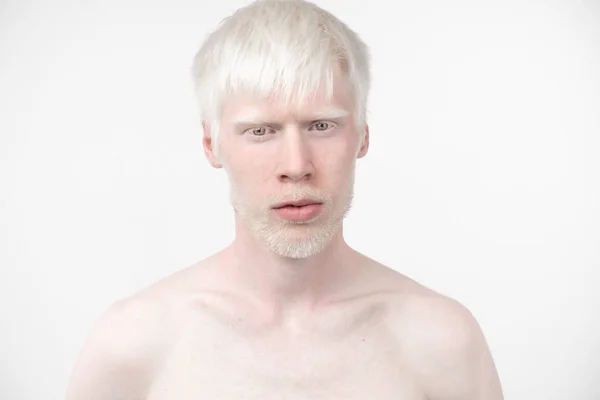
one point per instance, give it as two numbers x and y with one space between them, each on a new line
443 323
443 344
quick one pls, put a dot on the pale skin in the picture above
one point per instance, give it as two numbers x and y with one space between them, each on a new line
247 323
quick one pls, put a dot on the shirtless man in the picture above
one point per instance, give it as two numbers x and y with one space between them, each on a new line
288 310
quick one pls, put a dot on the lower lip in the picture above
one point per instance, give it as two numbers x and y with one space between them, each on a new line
299 214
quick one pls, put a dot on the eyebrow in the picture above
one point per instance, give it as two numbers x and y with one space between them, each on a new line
256 118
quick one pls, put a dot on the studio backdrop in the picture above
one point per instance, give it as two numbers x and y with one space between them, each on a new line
482 181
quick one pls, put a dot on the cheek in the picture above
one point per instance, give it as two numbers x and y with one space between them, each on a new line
247 174
339 159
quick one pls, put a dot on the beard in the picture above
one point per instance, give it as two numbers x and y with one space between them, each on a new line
289 239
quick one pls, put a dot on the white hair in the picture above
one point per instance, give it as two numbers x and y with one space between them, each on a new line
282 48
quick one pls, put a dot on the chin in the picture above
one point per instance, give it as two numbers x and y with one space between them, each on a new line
296 248
293 240
297 240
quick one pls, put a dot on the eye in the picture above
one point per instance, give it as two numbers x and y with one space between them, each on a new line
258 132
321 126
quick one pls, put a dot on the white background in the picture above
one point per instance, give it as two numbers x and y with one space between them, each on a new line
482 181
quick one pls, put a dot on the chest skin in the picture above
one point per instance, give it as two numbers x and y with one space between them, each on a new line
348 355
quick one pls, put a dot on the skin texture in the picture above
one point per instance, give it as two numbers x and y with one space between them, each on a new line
287 311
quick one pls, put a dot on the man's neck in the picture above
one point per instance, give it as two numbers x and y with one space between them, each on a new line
286 286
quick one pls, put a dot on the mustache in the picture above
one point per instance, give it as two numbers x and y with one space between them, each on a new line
299 193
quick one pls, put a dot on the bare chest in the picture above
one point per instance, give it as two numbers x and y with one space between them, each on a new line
213 363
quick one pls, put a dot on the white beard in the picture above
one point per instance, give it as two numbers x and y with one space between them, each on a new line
294 240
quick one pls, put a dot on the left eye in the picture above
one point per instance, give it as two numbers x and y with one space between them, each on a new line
322 126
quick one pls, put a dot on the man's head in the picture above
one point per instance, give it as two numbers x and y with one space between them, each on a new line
282 87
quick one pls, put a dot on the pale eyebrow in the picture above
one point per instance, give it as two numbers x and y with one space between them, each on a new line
249 118
256 118
329 113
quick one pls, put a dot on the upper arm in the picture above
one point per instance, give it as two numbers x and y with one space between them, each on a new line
118 357
452 359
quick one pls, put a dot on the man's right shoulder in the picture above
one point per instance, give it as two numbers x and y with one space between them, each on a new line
131 325
131 339
123 350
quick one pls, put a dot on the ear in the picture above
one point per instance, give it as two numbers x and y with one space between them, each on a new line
364 147
207 143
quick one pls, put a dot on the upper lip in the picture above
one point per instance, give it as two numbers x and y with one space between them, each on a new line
297 203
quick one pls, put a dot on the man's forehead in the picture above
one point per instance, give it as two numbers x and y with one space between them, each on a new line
256 113
243 109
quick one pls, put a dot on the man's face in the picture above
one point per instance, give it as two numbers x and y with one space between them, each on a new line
275 154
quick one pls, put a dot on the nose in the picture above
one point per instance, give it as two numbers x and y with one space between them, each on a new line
295 158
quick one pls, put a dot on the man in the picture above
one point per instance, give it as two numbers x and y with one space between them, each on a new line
288 310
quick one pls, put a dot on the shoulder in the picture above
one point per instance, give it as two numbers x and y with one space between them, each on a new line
124 349
421 315
131 325
443 344
443 323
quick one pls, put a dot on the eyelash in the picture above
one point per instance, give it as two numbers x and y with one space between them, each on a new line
261 137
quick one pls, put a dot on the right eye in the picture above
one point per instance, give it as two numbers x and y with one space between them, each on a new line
259 132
